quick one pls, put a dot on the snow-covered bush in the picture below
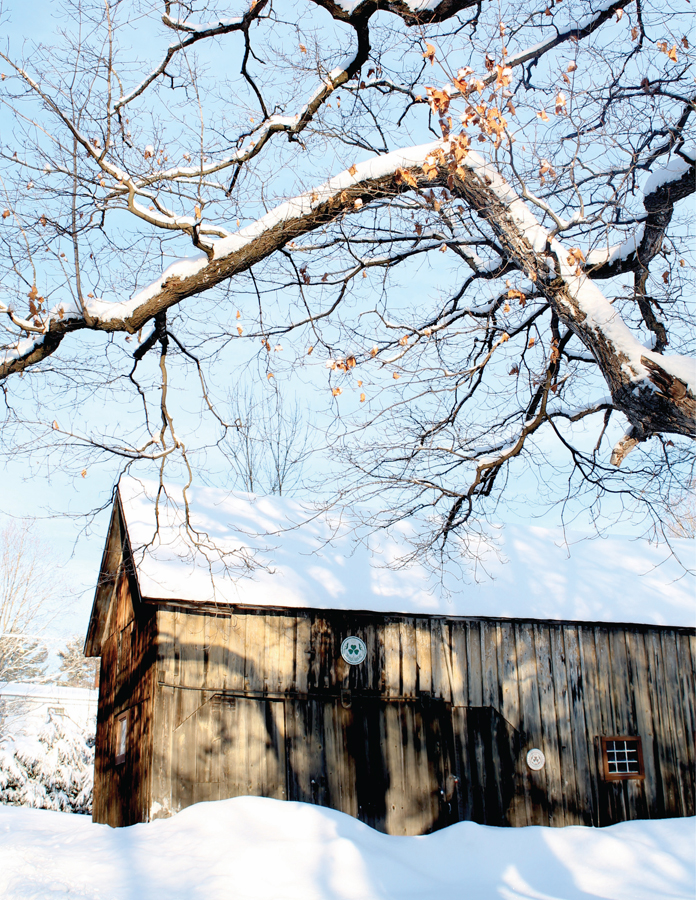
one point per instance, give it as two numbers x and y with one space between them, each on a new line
54 771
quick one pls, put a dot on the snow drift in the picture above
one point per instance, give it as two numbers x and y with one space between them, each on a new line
251 848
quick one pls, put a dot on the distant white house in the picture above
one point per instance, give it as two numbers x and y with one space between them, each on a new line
25 708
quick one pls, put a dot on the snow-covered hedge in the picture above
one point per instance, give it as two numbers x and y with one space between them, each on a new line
54 771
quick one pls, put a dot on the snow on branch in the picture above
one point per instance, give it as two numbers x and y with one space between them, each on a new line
413 12
630 369
663 188
196 33
579 30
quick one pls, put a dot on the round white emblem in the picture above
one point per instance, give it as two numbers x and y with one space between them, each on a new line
536 759
353 650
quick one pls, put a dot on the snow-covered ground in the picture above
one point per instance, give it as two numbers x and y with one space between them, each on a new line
251 848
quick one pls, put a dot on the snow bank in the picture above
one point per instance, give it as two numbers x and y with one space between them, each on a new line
314 561
251 848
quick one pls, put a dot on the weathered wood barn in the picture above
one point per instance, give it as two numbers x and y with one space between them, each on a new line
315 681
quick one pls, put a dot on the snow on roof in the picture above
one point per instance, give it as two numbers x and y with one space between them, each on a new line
314 561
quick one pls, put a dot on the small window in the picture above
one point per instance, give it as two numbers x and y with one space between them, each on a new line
121 738
57 710
622 757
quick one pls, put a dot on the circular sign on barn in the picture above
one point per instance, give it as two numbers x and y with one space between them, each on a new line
353 650
536 759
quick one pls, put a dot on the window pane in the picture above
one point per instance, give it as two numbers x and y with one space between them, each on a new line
622 757
122 732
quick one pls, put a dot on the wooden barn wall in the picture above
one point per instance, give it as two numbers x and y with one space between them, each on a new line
127 684
433 727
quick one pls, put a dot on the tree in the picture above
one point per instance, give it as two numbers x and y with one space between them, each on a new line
472 218
27 587
76 670
269 444
56 771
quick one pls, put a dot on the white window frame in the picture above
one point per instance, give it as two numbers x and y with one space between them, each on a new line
121 738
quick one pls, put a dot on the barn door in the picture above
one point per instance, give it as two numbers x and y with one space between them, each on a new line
488 756
230 747
389 763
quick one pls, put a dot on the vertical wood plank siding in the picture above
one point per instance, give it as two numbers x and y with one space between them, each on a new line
127 684
432 728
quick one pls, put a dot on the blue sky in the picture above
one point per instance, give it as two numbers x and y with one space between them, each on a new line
57 500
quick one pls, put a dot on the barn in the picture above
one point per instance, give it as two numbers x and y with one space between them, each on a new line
560 693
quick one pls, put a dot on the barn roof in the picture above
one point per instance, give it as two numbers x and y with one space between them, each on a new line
309 560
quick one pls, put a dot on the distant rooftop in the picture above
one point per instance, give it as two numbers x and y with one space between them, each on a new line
314 561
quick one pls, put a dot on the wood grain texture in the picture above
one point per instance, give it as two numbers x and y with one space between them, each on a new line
431 729
122 793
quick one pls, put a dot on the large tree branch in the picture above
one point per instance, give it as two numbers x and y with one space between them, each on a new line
631 371
584 309
429 12
665 187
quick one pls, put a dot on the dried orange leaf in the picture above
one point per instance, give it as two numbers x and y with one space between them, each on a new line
403 175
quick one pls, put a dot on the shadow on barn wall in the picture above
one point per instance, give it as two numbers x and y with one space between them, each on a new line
405 767
431 729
